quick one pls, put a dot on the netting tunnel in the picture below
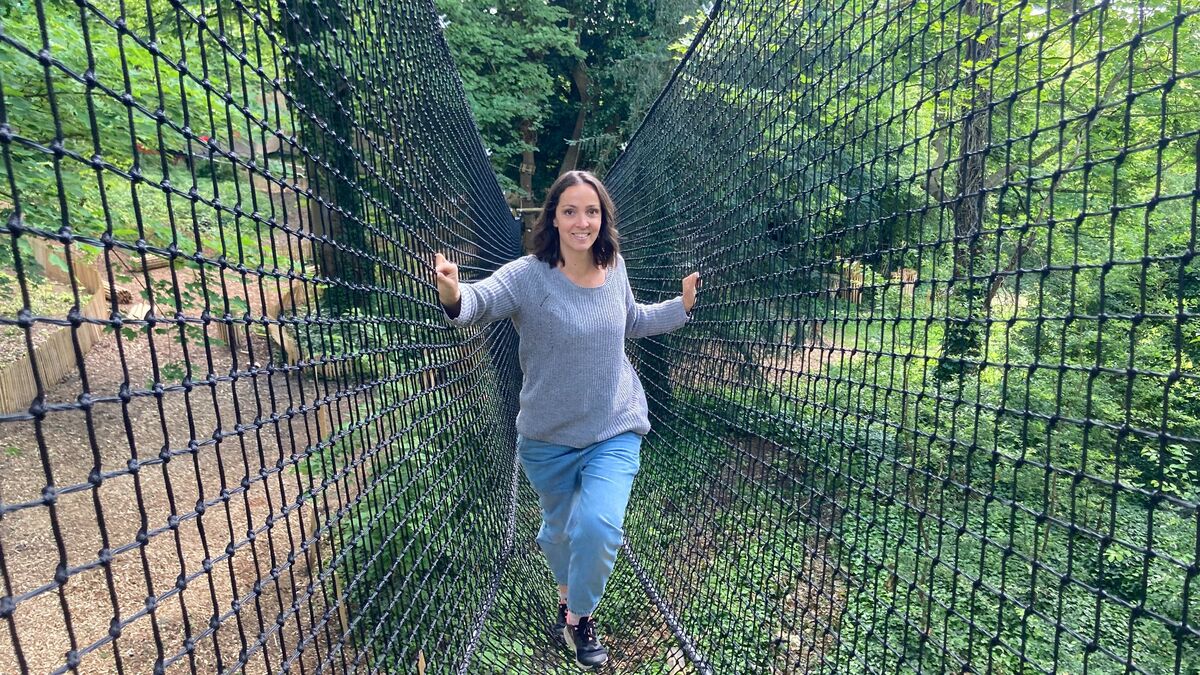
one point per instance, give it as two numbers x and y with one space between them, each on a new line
938 409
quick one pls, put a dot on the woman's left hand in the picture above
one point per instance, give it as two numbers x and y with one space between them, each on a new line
690 283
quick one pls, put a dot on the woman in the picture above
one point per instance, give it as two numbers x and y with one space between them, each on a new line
583 410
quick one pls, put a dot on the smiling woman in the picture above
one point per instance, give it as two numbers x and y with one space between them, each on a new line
581 420
577 225
578 218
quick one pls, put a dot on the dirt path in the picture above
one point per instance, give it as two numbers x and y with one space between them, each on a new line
210 519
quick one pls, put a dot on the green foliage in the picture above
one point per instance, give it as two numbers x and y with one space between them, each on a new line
422 509
915 554
157 135
1000 411
518 64
363 345
46 298
628 59
504 53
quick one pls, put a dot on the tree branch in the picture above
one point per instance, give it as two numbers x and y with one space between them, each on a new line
892 11
1026 242
933 180
583 85
1000 175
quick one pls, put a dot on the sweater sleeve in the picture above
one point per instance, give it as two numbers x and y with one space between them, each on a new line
492 299
647 320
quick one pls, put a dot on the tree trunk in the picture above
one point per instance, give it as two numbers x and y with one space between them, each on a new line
528 162
335 212
969 197
526 201
582 82
969 204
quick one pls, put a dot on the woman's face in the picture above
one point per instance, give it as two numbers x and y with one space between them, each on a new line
577 218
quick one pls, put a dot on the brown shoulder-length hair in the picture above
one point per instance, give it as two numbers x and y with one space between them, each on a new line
544 241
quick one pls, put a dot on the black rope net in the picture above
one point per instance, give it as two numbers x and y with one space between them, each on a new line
937 411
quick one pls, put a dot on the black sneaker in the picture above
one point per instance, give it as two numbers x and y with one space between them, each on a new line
582 640
562 619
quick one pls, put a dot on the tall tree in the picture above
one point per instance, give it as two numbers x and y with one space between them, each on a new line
561 85
504 53
628 52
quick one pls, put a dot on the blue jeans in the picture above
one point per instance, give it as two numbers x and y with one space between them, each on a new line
583 493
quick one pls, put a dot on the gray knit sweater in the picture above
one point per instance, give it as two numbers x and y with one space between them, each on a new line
578 387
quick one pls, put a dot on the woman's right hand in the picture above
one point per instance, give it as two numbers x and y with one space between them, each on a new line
446 275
